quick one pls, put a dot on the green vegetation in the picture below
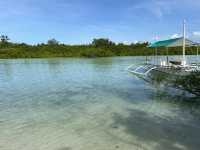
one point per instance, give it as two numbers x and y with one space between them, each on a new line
98 48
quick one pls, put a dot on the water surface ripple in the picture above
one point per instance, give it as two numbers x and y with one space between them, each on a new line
90 104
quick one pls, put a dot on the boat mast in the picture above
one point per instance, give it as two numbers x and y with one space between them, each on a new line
184 34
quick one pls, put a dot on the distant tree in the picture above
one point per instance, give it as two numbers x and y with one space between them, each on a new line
102 42
4 39
52 42
23 44
139 44
41 44
120 44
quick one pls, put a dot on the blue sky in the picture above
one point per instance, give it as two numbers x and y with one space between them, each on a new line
79 21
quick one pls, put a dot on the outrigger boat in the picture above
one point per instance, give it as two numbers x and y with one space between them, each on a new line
168 68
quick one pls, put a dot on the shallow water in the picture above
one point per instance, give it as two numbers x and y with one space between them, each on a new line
91 104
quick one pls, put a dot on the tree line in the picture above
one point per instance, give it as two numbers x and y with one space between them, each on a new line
97 48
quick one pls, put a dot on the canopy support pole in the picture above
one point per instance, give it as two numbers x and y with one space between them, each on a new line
184 59
156 56
167 56
197 55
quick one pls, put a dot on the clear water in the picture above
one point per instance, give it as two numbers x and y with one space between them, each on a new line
91 104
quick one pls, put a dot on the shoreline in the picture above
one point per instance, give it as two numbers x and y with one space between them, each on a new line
84 57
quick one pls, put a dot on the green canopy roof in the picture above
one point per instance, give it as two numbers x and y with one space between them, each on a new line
172 43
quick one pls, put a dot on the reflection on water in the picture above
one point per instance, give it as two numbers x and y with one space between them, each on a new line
81 104
5 70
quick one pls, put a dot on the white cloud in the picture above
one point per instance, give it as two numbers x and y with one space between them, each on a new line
158 8
126 42
175 36
196 33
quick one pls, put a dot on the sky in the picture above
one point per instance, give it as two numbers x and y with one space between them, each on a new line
79 21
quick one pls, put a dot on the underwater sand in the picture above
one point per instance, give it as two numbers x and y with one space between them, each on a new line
91 104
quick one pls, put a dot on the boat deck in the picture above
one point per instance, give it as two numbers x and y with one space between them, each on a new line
178 70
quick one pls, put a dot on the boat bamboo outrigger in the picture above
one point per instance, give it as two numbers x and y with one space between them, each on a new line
169 67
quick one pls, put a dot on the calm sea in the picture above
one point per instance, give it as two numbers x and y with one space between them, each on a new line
91 104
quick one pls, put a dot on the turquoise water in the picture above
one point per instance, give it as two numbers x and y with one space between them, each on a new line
91 104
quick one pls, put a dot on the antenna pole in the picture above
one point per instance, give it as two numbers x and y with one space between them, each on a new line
184 35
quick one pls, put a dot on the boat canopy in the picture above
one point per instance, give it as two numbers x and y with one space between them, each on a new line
177 42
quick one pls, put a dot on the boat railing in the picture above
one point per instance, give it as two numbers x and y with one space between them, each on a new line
142 70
